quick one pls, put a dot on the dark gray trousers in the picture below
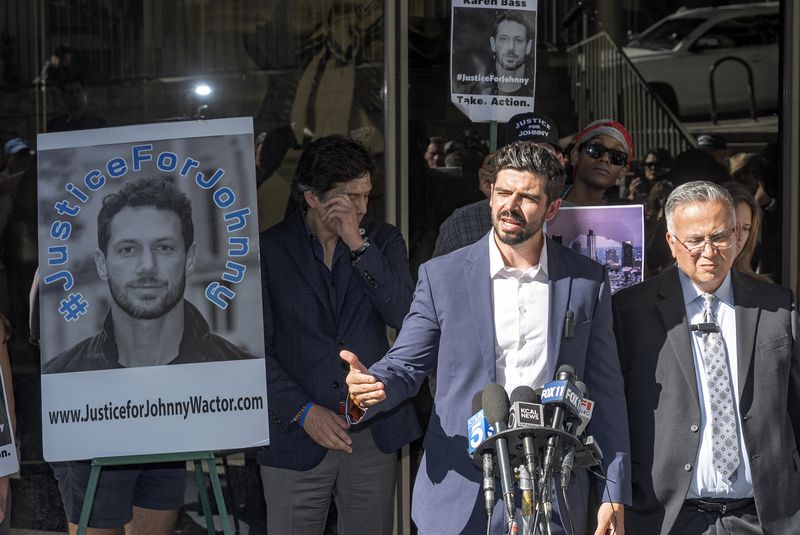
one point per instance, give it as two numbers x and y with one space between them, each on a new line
692 521
361 483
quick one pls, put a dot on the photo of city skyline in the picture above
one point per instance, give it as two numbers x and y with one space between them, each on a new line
610 235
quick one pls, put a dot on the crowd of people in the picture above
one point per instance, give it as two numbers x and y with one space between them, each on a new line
491 294
470 324
647 180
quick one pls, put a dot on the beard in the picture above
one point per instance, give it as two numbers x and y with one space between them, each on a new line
525 232
511 62
151 308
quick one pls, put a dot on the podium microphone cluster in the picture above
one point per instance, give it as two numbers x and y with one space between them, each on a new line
532 435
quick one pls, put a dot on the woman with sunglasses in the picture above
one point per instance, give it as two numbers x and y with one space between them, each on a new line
657 163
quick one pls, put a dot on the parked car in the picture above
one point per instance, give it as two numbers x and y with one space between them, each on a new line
676 54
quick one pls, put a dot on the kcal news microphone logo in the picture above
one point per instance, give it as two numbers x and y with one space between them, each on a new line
562 392
479 430
525 414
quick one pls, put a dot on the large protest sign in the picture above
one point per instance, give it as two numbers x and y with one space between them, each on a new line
493 58
150 294
610 235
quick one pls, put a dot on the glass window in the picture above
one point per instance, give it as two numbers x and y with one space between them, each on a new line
667 34
301 69
741 32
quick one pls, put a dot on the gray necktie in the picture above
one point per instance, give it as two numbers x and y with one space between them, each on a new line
725 447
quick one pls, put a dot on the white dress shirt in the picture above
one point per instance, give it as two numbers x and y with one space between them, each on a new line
706 481
520 301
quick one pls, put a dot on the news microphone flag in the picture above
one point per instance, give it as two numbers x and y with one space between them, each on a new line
585 414
478 430
564 393
525 414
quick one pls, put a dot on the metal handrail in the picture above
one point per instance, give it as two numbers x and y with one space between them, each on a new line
751 91
606 84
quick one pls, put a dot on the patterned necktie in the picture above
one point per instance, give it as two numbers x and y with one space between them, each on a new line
725 442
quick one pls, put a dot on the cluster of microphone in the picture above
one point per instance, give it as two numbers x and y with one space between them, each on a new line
527 440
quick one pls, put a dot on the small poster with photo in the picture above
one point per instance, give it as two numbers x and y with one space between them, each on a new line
493 58
610 235
150 290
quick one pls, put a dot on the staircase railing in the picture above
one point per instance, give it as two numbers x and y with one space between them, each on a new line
605 84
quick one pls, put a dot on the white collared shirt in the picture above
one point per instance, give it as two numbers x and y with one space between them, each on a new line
520 301
706 481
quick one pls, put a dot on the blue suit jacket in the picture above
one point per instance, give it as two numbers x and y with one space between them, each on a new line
451 326
304 332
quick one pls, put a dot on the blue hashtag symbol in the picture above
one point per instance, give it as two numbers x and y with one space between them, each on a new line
73 307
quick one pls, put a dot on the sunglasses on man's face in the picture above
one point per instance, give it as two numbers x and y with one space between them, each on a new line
596 151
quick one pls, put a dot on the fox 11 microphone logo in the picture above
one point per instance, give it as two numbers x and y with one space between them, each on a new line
478 430
562 392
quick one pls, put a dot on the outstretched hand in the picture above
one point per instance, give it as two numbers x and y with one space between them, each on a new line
365 390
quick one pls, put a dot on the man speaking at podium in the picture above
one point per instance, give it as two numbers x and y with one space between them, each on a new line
509 309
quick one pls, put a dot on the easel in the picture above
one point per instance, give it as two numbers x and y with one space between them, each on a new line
196 457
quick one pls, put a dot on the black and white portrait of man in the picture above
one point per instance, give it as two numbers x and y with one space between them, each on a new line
145 249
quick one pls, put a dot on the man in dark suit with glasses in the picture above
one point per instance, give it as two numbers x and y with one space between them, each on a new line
712 380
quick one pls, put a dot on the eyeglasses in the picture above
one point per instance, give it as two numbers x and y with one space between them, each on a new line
596 151
653 165
719 242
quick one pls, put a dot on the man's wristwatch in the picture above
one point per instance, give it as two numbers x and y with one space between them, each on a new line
355 254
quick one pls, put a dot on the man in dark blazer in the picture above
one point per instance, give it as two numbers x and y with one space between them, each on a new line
332 279
688 478
473 327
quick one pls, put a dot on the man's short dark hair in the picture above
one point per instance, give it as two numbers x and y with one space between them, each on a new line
513 16
327 161
527 157
155 192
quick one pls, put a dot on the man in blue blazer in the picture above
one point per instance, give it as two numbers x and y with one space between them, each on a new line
493 312
332 279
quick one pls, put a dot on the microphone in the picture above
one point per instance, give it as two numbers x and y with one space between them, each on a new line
569 324
563 395
572 427
478 430
586 410
704 328
525 408
526 415
526 502
495 407
589 454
